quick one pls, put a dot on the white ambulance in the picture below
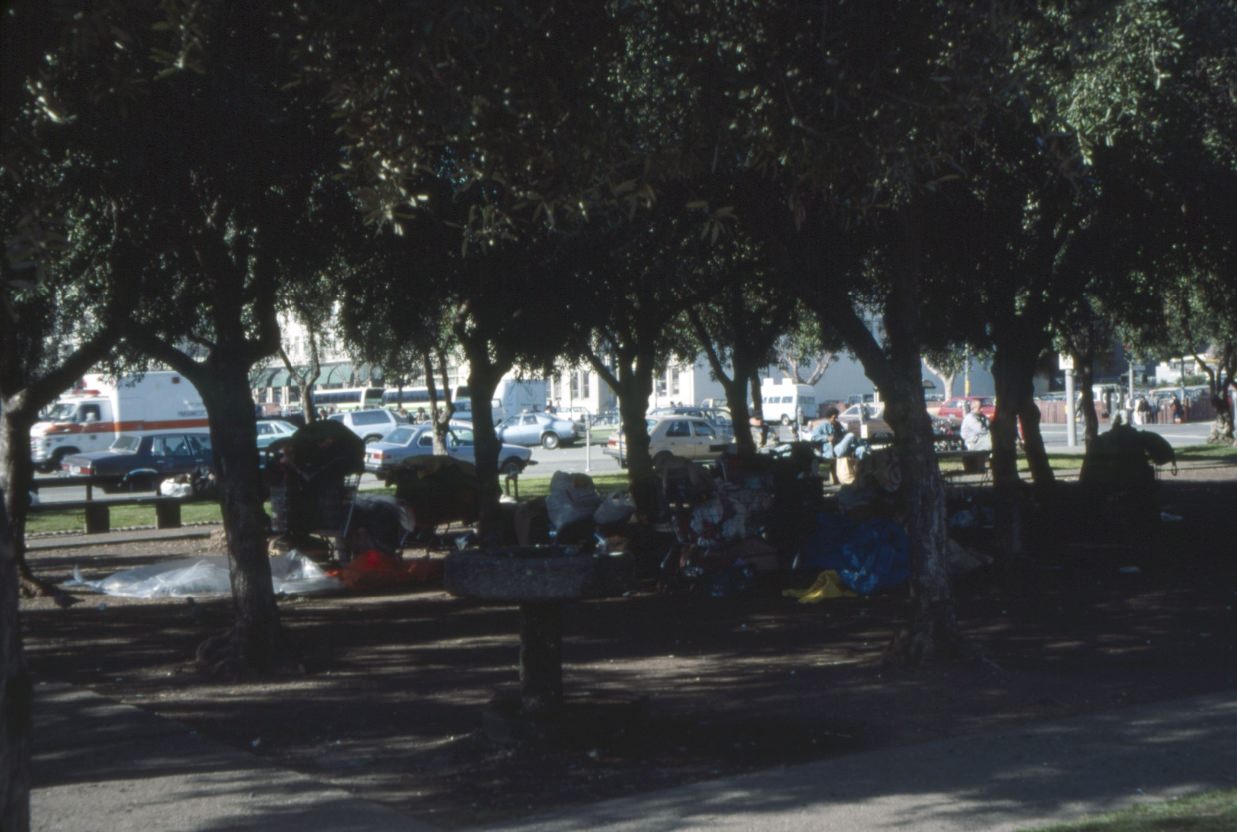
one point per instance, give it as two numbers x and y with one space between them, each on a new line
90 417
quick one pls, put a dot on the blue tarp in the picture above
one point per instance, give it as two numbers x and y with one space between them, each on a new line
869 556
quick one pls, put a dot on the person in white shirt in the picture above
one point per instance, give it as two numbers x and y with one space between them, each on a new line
975 429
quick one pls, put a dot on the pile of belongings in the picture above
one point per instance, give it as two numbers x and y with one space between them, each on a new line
573 513
1119 479
722 547
307 483
437 490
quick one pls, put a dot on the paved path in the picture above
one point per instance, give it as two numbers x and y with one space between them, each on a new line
100 765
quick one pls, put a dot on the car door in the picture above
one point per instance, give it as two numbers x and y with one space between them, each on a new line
677 437
203 454
160 457
460 445
527 432
707 442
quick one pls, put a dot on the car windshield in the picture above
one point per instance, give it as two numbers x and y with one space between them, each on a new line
649 424
59 412
400 436
126 442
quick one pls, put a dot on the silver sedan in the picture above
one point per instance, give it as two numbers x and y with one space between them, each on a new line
418 440
542 429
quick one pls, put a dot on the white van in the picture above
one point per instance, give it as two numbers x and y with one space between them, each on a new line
786 401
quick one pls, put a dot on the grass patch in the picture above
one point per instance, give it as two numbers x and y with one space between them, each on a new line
1227 453
121 517
1211 812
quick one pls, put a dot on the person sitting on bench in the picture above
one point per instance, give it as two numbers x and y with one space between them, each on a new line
975 429
832 437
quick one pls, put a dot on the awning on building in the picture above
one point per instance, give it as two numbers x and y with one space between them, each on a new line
336 375
262 378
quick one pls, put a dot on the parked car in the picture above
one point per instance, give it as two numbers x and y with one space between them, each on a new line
136 462
418 440
538 428
672 435
371 425
718 418
575 413
273 432
863 420
959 406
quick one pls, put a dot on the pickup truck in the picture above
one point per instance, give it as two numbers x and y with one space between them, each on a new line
140 462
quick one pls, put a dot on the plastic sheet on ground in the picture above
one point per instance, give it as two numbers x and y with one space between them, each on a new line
292 574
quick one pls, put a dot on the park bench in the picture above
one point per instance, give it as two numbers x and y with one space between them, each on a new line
973 462
98 512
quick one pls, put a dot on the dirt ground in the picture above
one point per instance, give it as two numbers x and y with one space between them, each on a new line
390 706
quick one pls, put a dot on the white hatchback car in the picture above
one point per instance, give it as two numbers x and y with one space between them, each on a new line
370 425
673 435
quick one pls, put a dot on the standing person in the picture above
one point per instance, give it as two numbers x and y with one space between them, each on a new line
975 431
1175 411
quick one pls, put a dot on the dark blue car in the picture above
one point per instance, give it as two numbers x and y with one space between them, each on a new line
140 462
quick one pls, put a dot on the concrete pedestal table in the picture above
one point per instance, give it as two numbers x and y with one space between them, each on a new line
540 579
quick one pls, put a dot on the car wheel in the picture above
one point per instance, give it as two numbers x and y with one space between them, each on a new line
511 468
661 459
372 438
785 419
549 441
58 456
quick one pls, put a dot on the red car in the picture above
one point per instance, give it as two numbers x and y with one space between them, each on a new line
959 406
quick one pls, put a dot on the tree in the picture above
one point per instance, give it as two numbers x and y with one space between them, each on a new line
737 321
803 344
945 364
59 303
222 178
828 128
645 278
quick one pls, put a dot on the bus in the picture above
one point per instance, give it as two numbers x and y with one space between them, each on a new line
418 398
347 398
510 397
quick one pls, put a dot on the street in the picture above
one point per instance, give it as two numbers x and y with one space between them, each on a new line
591 459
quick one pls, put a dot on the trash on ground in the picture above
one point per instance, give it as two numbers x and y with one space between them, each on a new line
828 584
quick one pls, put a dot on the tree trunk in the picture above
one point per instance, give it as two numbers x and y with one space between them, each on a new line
933 632
440 425
736 397
755 428
16 689
1086 379
256 641
632 380
1222 427
1013 393
1033 442
483 376
16 477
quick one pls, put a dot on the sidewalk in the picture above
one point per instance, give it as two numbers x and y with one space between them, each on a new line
101 765
77 540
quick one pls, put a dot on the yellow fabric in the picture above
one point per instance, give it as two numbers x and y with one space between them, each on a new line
827 585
